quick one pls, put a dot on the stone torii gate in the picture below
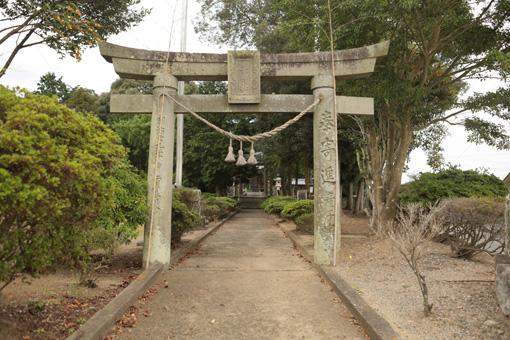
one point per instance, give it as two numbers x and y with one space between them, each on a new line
243 70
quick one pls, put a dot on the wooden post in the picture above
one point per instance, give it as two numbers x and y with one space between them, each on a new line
160 173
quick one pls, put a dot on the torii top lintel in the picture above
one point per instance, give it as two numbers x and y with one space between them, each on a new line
141 64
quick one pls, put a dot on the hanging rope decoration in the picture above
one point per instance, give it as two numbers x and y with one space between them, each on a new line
240 157
230 156
252 160
244 138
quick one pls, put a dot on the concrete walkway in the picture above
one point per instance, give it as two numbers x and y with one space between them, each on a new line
245 282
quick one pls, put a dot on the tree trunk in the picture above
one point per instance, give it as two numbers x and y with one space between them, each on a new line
350 200
382 162
358 206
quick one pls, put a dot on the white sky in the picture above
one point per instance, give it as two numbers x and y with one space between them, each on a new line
153 33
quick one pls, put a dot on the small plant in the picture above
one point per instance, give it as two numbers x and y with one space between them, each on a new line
81 320
413 227
474 225
295 209
35 307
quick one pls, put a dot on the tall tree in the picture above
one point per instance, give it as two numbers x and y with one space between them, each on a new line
83 100
50 85
436 46
65 26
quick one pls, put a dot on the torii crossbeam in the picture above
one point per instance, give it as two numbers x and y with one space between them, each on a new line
243 70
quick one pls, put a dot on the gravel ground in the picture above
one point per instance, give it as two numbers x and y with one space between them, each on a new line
461 291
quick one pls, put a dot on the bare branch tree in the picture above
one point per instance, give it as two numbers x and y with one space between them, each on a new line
413 227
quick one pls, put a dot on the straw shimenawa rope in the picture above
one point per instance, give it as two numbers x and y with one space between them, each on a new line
244 138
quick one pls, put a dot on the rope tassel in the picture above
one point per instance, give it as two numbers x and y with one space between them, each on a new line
240 159
231 158
252 160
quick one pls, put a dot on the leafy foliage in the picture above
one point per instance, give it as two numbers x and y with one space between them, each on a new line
275 204
65 186
50 85
453 182
214 207
295 209
436 46
83 100
135 134
65 26
183 217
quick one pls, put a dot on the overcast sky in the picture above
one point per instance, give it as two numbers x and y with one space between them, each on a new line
154 32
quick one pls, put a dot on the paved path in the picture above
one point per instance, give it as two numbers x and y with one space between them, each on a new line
245 282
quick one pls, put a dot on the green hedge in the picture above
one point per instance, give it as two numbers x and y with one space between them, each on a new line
214 207
295 209
432 187
300 211
183 217
275 204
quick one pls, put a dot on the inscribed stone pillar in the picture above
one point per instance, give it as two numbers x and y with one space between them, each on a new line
160 173
326 172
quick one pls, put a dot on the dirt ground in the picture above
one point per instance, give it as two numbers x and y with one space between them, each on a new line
461 291
54 305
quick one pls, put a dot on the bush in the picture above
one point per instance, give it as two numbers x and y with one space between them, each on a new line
275 204
64 184
432 187
210 212
214 207
191 197
474 225
305 223
295 209
183 218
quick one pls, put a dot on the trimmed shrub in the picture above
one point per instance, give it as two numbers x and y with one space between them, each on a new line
432 187
214 207
191 197
226 204
474 225
65 186
183 218
210 212
295 209
275 204
305 223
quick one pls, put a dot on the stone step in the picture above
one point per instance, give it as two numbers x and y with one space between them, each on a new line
250 202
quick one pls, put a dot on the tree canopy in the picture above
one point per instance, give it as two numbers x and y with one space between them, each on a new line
63 25
431 187
50 85
436 47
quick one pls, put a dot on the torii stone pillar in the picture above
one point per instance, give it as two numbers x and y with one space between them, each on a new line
326 179
160 172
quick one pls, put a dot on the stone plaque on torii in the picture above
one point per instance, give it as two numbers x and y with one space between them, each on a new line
243 70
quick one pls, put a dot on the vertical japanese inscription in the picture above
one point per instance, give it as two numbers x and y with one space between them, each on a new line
243 77
326 221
